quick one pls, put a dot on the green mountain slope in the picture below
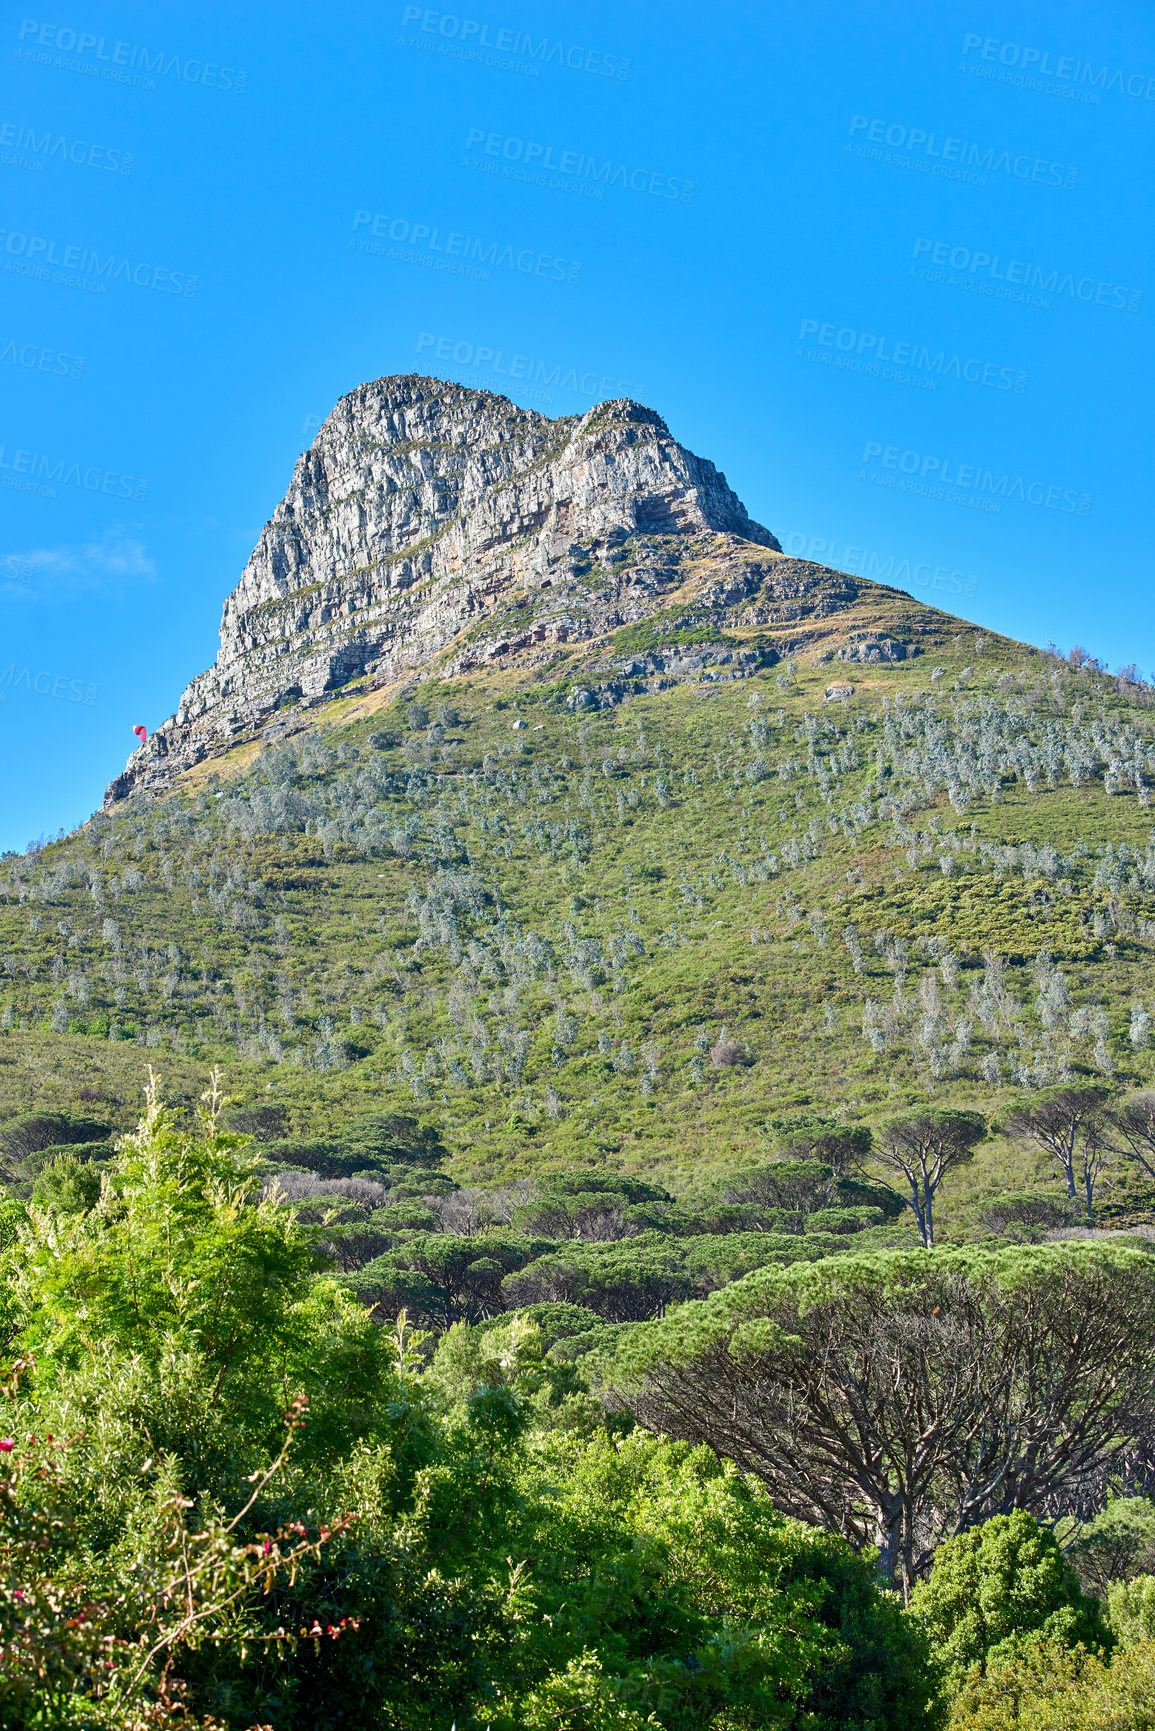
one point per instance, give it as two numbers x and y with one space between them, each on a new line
570 915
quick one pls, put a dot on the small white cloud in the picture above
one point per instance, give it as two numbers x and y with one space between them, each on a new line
109 563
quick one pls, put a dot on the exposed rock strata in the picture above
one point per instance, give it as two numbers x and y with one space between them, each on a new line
433 529
418 510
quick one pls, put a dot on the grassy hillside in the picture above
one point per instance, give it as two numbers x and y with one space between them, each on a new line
628 934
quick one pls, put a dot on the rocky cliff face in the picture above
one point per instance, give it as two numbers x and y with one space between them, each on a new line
421 512
431 529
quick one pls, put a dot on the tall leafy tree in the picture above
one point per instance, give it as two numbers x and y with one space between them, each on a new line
919 1149
810 1136
1072 1126
902 1397
1132 1130
445 1278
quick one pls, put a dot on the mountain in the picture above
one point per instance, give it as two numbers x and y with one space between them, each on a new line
546 799
433 529
576 914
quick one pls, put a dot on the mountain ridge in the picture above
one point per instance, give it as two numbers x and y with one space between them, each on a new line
418 509
765 837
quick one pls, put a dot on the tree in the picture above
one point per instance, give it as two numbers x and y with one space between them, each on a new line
624 1282
445 1278
903 1397
263 1123
591 1215
36 1131
326 1158
588 1179
470 1578
795 1186
713 1262
1117 1544
1133 1125
386 1138
998 1586
809 1136
376 1142
1026 1212
198 1295
921 1148
1131 1610
1072 1126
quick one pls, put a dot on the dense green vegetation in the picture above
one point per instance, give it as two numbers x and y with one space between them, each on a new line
232 1498
635 932
450 1536
641 1174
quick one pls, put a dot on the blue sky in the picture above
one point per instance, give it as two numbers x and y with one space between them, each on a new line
888 265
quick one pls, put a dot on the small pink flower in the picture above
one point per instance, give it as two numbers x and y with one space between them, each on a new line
7 1444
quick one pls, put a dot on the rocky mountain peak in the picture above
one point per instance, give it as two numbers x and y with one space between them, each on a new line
419 507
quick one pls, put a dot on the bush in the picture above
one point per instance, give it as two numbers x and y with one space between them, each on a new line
1027 1214
725 1557
1131 1610
1053 1688
1117 1544
36 1131
993 1590
67 1186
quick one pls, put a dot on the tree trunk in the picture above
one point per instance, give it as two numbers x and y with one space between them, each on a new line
1067 1162
889 1538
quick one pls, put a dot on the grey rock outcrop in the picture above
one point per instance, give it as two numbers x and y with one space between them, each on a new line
421 532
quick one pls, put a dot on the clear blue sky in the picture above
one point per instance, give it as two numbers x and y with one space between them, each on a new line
888 265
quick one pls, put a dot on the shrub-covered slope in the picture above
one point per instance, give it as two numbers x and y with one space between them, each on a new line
628 926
